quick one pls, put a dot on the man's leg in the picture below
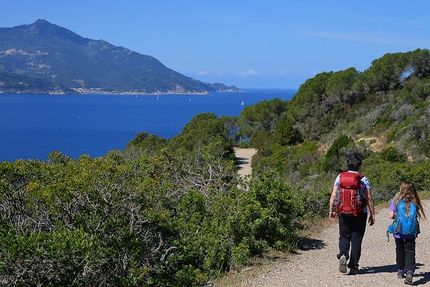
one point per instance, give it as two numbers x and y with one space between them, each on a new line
344 235
357 234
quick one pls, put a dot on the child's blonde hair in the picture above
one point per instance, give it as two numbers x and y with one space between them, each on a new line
408 191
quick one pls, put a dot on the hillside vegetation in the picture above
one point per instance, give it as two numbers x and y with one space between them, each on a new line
174 212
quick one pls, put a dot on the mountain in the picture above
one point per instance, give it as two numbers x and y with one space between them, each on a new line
43 57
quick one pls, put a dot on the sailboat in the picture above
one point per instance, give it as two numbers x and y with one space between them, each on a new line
242 103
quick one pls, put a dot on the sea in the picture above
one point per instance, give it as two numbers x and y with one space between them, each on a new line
32 126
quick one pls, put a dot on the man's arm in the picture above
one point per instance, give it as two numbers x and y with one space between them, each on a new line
370 207
332 207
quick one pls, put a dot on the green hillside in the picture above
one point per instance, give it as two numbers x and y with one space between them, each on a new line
382 112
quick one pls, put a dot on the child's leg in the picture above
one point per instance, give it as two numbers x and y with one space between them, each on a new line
400 253
410 254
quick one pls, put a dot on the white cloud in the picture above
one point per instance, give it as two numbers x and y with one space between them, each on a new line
285 72
204 73
365 38
249 73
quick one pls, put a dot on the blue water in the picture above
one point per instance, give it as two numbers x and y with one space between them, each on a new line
32 126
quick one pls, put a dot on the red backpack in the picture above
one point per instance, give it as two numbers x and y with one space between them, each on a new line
350 198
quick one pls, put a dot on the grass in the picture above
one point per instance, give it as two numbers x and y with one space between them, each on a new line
254 268
424 195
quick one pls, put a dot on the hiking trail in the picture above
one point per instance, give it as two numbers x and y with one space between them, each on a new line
315 263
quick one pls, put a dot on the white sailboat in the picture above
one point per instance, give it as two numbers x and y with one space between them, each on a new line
242 103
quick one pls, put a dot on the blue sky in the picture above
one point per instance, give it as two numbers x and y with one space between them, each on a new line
249 44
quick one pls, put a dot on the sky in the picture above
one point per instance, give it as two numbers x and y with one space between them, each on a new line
246 43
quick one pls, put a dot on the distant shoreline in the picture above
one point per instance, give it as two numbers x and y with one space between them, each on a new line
101 92
98 92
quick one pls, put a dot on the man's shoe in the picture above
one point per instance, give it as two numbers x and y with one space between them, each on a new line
400 274
353 271
342 264
408 279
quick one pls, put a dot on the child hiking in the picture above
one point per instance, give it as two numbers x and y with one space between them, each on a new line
406 208
351 200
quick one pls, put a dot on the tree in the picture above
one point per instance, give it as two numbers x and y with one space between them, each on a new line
286 133
231 126
265 114
341 82
387 72
140 137
308 96
207 123
333 160
419 62
204 130
340 85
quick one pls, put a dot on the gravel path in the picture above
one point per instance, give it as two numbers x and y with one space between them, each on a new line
316 264
244 157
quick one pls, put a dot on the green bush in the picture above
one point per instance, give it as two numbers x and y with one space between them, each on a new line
160 220
276 212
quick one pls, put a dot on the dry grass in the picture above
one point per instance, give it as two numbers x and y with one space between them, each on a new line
254 268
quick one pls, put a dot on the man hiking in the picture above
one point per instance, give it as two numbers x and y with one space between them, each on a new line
351 200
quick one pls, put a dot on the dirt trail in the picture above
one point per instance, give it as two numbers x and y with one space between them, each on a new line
244 157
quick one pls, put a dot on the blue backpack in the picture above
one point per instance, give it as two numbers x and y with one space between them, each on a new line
406 223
